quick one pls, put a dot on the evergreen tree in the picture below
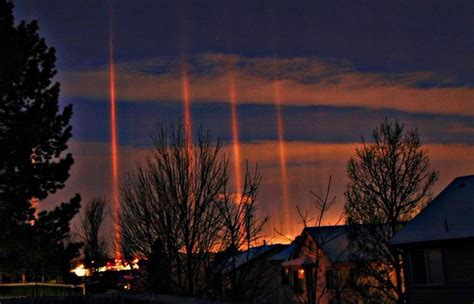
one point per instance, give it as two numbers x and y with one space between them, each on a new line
50 249
33 133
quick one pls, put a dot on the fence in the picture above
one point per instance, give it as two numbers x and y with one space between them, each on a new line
13 290
108 299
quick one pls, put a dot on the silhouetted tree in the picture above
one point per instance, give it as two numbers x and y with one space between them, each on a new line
51 249
178 198
172 199
33 131
241 230
158 270
389 180
318 290
95 247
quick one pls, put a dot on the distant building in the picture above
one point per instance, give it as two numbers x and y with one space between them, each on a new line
319 268
438 247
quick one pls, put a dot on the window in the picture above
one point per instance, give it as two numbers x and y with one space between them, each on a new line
427 266
285 276
351 280
330 279
298 281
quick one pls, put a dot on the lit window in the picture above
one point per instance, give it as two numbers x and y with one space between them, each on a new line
298 283
427 266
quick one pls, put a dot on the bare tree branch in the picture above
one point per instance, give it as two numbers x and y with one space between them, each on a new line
95 247
390 179
180 197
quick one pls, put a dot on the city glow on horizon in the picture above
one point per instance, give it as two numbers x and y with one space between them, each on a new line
115 265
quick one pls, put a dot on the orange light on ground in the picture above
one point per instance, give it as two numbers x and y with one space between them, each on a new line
186 105
113 144
235 136
285 216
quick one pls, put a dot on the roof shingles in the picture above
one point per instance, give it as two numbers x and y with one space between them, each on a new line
449 216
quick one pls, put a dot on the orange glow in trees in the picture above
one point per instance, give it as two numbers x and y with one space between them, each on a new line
113 143
284 216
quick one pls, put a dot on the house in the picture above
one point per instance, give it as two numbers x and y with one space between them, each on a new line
438 247
282 292
249 275
319 269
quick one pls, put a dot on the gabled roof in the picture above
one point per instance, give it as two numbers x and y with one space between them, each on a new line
449 216
284 254
244 257
301 261
333 240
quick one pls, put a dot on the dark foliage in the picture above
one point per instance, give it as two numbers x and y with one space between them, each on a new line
33 136
51 250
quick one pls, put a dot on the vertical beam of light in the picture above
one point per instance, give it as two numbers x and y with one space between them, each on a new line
186 106
235 136
113 144
285 214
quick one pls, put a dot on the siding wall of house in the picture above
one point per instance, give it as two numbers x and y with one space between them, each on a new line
458 287
309 249
325 295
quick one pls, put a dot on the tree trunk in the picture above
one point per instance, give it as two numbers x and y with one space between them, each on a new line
399 278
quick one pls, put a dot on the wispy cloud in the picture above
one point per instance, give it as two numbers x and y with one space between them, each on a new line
304 81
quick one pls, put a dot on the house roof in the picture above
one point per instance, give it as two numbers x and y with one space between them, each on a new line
449 216
244 257
333 240
301 261
284 254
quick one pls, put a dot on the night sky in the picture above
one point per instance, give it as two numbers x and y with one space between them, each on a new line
343 66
